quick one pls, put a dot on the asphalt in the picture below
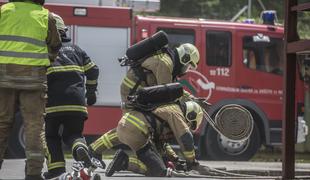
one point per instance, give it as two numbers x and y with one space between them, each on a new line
14 170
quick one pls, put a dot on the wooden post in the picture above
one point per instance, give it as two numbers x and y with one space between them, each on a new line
288 133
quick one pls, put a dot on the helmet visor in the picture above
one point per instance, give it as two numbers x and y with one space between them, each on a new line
186 59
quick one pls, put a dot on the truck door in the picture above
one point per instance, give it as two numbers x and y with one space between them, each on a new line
260 76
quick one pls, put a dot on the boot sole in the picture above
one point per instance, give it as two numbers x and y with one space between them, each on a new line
117 160
82 154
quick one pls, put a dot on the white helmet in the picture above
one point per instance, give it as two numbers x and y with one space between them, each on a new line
60 24
193 115
189 55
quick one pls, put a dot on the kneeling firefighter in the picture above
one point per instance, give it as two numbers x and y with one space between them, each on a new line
151 63
66 106
141 128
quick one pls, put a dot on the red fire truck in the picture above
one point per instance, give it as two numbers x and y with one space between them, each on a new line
240 63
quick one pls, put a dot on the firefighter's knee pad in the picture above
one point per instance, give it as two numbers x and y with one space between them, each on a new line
154 163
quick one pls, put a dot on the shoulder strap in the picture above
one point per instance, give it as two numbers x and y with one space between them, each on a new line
140 75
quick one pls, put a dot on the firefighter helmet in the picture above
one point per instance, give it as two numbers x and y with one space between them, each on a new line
193 115
60 24
189 55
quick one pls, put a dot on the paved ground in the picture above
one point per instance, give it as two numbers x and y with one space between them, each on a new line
14 170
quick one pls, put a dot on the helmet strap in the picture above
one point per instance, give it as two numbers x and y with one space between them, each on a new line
64 37
177 68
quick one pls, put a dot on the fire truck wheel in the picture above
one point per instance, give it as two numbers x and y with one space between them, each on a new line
220 148
16 146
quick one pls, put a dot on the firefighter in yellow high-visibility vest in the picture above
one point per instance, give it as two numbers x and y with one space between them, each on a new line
161 68
28 42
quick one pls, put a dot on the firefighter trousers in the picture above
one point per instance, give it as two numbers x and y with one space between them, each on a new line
64 128
31 104
132 130
105 142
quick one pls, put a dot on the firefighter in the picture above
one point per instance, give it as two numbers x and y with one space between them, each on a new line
28 42
160 68
66 107
142 134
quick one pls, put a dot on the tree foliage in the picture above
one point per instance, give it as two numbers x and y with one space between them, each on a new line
227 9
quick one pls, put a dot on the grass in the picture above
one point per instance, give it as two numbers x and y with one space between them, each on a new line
276 156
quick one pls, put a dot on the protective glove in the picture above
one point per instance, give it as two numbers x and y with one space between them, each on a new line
91 97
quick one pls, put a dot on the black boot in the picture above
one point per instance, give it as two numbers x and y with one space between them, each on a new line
51 174
97 156
34 177
83 155
119 162
1 163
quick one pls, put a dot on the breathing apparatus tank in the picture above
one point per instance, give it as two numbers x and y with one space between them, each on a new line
160 94
144 48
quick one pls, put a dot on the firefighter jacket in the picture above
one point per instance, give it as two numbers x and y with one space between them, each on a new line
25 49
157 70
66 81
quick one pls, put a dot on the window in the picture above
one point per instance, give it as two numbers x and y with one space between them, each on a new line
218 48
265 54
177 37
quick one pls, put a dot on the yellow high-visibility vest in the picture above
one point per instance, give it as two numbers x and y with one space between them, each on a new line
23 33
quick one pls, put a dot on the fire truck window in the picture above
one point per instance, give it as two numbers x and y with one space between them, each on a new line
263 56
218 48
179 36
249 58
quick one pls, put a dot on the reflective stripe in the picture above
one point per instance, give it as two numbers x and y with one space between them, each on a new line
78 144
88 66
105 140
136 122
101 142
34 155
137 162
112 136
189 154
64 69
66 108
24 54
170 151
167 61
55 165
91 82
129 83
22 39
